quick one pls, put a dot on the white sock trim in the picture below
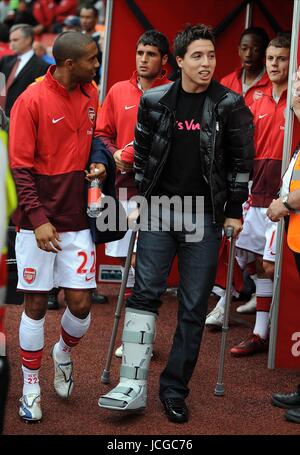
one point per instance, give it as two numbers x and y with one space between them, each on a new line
74 326
264 287
31 333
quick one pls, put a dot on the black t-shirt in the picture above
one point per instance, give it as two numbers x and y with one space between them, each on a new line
182 173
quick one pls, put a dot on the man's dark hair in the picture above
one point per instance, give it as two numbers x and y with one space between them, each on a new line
71 45
155 38
189 34
26 30
260 33
89 5
283 39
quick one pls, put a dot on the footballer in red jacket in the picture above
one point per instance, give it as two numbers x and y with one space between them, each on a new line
51 132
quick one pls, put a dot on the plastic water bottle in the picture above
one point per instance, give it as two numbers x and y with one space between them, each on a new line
94 198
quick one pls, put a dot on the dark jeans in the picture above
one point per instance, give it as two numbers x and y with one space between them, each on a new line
197 263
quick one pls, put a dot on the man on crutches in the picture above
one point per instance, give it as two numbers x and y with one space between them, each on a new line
115 127
193 155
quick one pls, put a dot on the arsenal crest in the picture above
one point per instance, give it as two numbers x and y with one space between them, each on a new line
29 275
257 94
91 114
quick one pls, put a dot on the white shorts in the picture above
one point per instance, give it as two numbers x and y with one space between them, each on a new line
258 234
119 248
73 267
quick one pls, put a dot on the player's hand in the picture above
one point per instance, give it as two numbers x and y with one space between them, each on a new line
235 223
97 170
47 238
123 166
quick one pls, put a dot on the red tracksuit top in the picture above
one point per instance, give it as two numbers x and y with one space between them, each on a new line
269 121
117 119
234 82
50 138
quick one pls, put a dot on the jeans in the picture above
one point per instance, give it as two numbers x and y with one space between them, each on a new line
197 262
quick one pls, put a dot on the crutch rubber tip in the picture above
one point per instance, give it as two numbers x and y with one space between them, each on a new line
219 390
105 377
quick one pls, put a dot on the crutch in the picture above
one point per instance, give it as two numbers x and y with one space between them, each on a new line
105 378
219 389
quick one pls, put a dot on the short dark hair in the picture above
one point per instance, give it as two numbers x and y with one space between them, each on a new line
260 33
155 38
89 6
282 39
71 45
26 29
189 34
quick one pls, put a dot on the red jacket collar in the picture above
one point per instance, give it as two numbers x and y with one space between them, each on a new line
264 80
159 80
269 92
53 83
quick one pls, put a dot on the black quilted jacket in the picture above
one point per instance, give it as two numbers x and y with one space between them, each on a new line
225 144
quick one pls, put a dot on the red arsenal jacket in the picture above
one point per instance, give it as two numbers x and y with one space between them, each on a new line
50 137
117 119
269 121
234 82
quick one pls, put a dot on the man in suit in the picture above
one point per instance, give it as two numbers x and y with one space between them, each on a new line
22 69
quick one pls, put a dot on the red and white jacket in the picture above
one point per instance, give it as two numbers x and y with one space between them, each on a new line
234 82
117 119
269 122
50 138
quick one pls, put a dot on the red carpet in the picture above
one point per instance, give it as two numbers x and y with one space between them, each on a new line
245 409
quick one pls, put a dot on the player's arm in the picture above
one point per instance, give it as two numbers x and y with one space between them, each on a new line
240 151
105 123
22 148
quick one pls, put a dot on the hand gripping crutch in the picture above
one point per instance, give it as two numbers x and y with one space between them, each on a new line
219 389
105 378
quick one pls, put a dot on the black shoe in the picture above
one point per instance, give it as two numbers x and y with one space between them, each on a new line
98 298
53 302
293 415
287 400
175 409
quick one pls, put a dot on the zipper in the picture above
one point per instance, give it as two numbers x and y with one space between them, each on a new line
211 169
215 130
163 161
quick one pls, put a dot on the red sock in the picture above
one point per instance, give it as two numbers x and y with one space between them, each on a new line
263 303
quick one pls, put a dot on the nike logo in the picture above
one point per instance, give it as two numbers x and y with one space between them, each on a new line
89 278
28 360
56 120
262 116
129 107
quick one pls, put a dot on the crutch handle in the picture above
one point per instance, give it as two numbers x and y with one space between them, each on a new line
229 231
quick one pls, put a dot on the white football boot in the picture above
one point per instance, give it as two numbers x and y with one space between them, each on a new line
216 317
119 352
248 307
30 407
63 377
